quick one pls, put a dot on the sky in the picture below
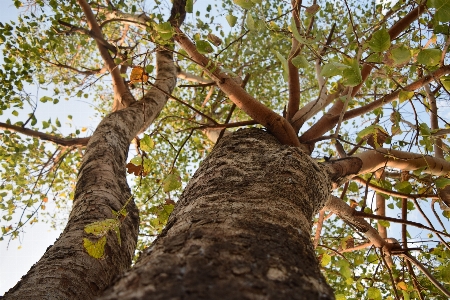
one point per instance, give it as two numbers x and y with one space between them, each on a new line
19 255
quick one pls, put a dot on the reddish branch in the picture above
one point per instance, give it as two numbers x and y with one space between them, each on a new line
394 32
293 77
275 123
46 136
373 160
347 214
122 96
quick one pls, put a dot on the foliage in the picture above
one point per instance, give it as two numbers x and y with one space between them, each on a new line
49 49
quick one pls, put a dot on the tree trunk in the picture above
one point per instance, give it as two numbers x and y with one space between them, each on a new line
67 271
241 229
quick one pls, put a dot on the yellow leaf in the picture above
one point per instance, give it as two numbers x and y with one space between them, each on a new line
95 249
402 285
83 129
100 228
138 75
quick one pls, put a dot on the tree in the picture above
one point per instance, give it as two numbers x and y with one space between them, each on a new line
348 95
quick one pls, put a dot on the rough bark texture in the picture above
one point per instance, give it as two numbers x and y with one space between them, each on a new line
241 229
66 271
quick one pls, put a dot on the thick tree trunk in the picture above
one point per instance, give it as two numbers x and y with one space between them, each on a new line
241 229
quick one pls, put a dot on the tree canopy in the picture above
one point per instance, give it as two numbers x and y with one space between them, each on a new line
339 79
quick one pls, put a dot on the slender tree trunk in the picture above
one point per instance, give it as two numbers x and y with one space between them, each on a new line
241 229
67 271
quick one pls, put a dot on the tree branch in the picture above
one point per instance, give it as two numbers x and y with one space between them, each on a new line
329 120
395 220
293 77
394 32
122 95
46 136
427 273
393 193
275 123
372 160
346 213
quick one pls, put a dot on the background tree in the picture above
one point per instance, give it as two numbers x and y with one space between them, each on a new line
355 86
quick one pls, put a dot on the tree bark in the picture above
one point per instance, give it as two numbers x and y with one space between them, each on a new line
67 271
241 229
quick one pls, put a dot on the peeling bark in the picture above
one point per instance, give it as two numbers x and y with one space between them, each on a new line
241 229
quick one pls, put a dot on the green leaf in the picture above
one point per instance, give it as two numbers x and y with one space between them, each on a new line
45 99
164 27
445 80
380 41
405 95
149 69
375 57
326 259
424 129
189 6
345 271
352 76
100 228
373 293
117 230
146 143
429 57
340 297
231 20
257 1
353 187
204 47
405 295
442 182
370 130
372 259
245 4
295 32
57 122
95 249
400 55
442 13
403 187
137 160
384 223
283 63
300 62
172 182
15 113
249 22
164 30
332 69
147 165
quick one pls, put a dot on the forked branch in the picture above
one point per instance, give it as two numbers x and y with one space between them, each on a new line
275 123
122 95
